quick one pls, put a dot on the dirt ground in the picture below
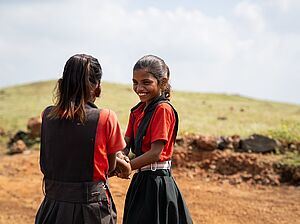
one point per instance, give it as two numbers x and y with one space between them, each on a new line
209 202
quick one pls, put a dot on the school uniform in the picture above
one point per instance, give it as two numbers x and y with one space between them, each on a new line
73 159
153 196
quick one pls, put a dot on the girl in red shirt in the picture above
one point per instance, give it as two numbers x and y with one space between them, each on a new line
153 196
78 149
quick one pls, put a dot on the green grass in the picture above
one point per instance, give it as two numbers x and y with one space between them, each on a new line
287 131
198 112
291 159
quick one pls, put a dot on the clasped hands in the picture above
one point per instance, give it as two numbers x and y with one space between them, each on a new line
123 167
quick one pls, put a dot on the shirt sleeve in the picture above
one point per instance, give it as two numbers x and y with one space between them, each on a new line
162 122
115 141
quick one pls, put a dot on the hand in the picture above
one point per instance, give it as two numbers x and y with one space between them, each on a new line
121 155
123 168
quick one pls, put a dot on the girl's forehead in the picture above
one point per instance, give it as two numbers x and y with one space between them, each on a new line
142 74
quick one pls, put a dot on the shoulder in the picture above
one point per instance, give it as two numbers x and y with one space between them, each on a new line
165 107
165 110
46 110
108 114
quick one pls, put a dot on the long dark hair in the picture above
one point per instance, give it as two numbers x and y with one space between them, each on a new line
82 73
158 68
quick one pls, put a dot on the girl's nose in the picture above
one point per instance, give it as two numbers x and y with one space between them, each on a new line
139 87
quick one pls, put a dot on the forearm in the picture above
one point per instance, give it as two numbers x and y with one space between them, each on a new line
111 162
147 158
126 150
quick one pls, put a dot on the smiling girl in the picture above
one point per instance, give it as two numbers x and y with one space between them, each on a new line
153 196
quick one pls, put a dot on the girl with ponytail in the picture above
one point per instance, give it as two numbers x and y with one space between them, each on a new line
153 196
78 149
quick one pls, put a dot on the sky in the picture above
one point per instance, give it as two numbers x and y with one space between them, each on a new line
245 47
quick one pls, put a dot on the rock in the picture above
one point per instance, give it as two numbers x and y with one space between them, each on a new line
179 141
2 131
205 143
246 176
212 166
296 175
236 141
17 147
231 142
34 125
292 147
258 143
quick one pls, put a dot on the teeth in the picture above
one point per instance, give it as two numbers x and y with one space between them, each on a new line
141 94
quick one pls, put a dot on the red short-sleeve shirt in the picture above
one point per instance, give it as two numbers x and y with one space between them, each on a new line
161 127
109 140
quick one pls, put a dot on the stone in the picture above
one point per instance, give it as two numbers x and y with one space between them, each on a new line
34 125
17 147
258 143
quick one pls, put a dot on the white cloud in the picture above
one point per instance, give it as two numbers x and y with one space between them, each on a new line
282 5
252 14
204 52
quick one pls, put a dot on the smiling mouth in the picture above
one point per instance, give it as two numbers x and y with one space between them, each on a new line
142 94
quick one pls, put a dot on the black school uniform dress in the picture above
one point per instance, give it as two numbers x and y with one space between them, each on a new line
73 159
153 196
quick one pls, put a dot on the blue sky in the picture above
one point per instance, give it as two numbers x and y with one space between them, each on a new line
251 48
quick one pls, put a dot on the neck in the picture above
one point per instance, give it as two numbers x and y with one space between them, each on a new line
154 99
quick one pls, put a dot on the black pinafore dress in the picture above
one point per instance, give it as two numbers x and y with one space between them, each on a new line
67 162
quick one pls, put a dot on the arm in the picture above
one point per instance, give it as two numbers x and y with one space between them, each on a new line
127 148
123 154
128 134
150 156
114 138
111 162
123 168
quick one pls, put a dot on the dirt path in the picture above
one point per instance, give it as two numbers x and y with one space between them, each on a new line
209 202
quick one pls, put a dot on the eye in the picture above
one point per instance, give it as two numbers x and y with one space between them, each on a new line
147 82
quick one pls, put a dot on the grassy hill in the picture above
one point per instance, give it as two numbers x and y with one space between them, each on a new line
214 114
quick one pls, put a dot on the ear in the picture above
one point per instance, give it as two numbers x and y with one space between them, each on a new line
163 83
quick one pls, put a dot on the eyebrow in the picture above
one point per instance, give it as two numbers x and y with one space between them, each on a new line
143 80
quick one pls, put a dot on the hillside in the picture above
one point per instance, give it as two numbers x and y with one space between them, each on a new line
215 114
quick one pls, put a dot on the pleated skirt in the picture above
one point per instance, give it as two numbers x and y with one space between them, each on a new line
76 205
154 198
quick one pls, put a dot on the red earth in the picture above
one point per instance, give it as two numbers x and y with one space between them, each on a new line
208 201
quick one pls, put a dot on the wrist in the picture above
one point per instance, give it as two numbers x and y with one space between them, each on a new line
120 154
